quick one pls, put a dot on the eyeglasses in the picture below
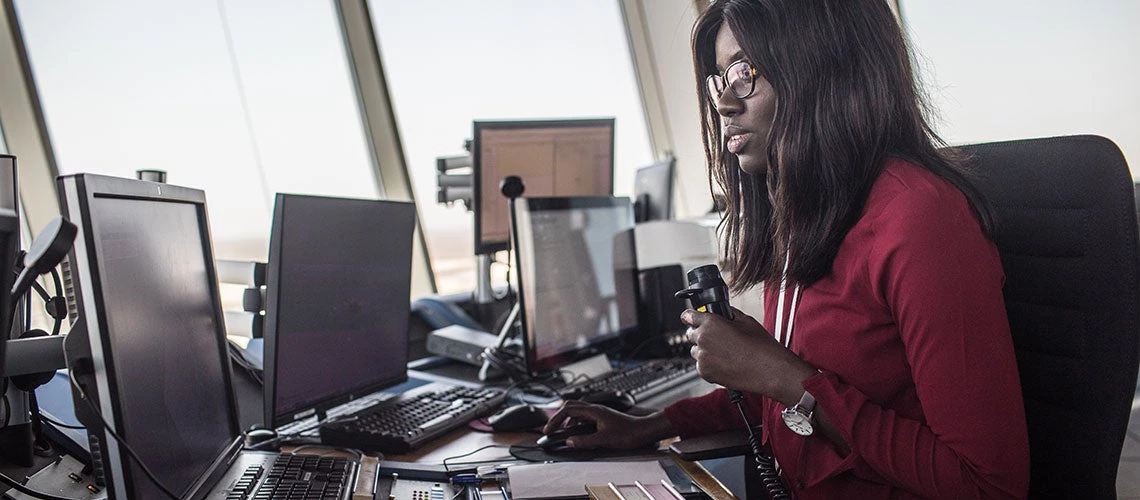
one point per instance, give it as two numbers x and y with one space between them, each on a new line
740 76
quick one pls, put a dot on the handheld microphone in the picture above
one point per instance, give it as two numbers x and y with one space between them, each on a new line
708 292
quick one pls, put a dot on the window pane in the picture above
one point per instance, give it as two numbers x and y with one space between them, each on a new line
450 62
240 98
1013 70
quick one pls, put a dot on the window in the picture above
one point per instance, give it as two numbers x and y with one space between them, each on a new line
450 62
1015 70
242 99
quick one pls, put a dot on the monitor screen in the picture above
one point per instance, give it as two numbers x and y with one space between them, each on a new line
553 158
9 239
578 277
338 291
148 302
9 245
653 191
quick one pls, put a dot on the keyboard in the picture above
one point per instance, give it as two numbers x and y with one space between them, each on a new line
642 381
295 477
405 422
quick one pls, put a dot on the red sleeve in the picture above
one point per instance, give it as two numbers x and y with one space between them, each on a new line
942 281
711 413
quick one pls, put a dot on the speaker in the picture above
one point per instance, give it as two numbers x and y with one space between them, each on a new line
660 331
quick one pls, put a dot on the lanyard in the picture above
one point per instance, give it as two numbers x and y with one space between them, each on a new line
784 335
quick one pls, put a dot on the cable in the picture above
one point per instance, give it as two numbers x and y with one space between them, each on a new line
355 452
59 424
476 450
6 404
28 491
765 464
130 451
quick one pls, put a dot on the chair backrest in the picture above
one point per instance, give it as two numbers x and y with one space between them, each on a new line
1067 235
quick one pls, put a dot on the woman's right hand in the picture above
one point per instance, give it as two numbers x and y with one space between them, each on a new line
616 430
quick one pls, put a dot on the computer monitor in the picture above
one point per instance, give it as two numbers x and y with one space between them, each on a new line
578 277
9 245
553 158
338 295
148 355
9 241
653 191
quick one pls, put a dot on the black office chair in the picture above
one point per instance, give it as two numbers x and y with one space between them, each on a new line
1067 235
1068 238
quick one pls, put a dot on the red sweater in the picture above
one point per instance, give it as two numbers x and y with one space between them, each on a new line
917 365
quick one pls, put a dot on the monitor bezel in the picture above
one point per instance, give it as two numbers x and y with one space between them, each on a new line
479 126
10 225
534 365
77 193
272 292
669 165
9 222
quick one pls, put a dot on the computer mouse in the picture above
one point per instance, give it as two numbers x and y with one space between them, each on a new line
517 418
619 401
258 435
557 438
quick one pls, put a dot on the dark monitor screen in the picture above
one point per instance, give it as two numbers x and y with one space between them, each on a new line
653 191
578 276
338 292
9 187
9 244
9 238
552 157
148 302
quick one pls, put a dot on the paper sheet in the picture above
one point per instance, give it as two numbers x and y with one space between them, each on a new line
569 479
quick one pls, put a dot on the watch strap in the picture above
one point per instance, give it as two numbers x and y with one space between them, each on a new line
806 405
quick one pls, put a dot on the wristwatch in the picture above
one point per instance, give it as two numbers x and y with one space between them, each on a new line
798 416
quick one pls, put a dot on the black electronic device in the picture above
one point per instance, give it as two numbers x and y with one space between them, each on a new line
552 157
521 417
407 421
661 333
9 245
626 386
578 272
460 343
338 294
557 438
653 191
707 292
9 231
148 357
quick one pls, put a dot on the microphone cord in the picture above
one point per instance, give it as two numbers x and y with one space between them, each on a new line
765 464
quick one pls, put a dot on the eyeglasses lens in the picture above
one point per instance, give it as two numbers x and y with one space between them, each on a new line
740 79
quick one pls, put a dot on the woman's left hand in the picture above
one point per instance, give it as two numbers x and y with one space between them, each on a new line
740 354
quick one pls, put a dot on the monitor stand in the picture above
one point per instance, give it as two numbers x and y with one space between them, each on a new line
483 292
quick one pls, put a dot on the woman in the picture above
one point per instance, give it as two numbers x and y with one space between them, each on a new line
882 298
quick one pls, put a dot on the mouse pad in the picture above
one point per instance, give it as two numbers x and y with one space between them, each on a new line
530 451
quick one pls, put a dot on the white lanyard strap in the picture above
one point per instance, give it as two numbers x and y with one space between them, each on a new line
784 336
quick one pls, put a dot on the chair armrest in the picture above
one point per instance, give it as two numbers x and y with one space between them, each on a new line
722 444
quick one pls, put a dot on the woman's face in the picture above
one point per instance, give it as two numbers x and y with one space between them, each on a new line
745 121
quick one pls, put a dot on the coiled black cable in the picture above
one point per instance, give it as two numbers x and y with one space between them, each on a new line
765 464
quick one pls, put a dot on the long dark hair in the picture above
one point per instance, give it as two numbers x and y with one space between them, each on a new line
846 100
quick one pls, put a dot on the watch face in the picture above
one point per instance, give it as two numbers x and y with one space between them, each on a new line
797 422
